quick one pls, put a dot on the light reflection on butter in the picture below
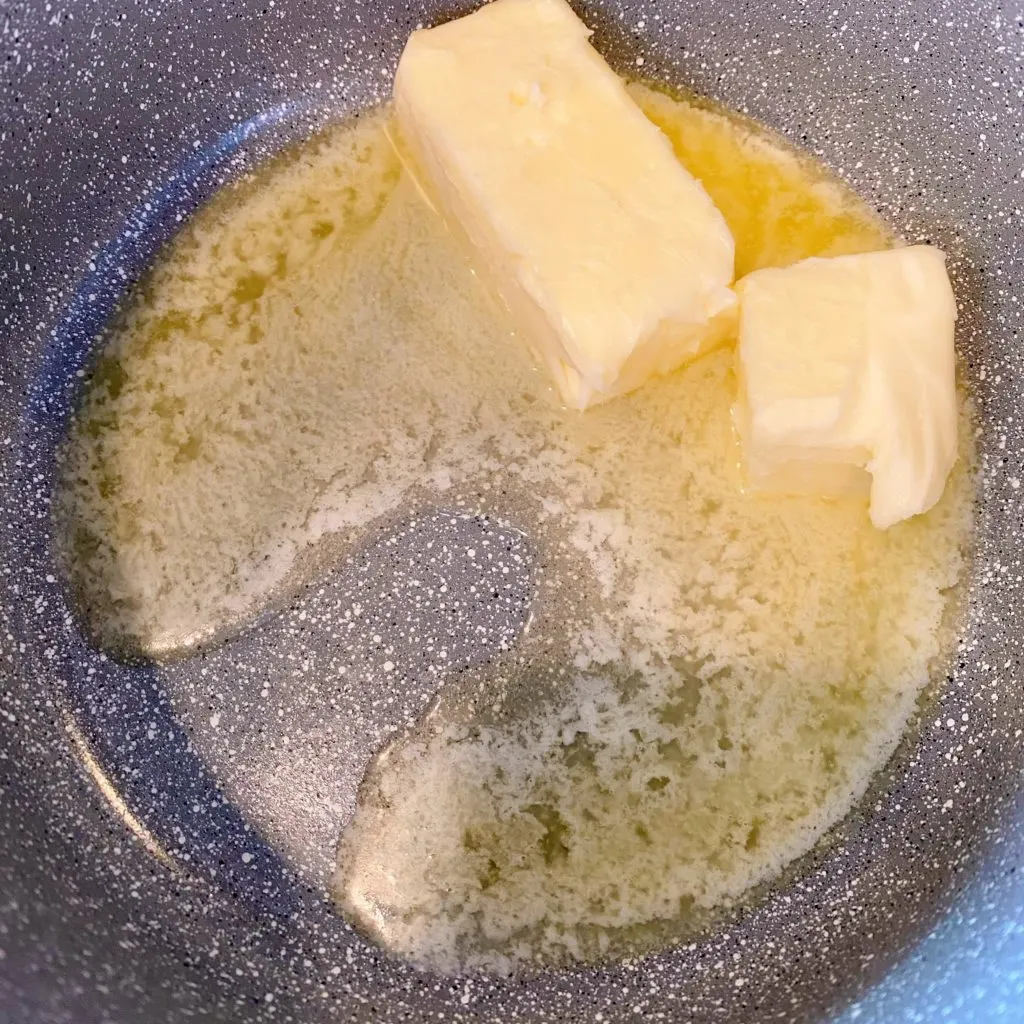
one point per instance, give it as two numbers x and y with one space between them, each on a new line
87 759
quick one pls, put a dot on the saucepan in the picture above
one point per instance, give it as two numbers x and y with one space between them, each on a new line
132 886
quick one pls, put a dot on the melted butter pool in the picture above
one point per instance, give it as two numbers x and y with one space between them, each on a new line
710 678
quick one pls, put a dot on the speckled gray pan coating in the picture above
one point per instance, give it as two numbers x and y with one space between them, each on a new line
116 120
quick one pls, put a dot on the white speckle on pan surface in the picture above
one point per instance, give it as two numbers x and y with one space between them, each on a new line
89 934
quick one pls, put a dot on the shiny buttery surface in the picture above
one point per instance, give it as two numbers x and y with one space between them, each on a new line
916 109
839 414
707 678
612 260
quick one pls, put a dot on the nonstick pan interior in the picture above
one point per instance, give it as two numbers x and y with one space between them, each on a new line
137 882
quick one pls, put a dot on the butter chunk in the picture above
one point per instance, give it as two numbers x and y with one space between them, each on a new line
611 258
847 379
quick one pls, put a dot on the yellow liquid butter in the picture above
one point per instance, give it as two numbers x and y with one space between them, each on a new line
710 679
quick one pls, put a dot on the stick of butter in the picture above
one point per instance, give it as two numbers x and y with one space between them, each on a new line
611 258
847 386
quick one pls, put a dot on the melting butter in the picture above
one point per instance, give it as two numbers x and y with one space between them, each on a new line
610 257
711 678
